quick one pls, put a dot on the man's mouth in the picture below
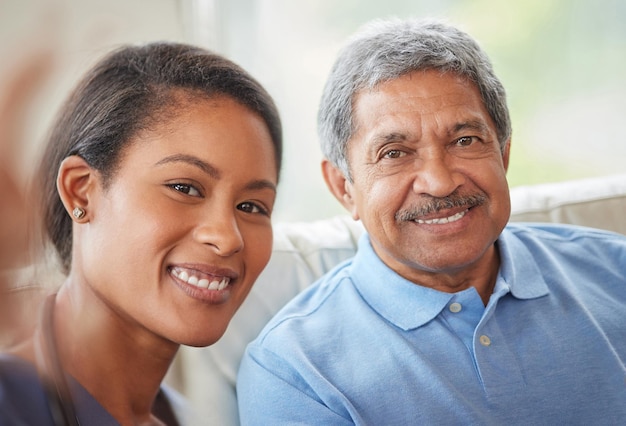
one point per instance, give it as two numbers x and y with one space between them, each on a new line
424 213
200 280
442 220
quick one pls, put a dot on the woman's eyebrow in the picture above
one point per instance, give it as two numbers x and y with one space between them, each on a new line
194 161
261 184
212 171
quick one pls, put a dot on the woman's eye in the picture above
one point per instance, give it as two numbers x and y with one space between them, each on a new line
185 189
249 207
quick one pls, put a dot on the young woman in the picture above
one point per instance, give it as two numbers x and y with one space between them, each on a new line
157 188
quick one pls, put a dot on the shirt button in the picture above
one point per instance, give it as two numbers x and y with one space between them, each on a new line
455 307
485 340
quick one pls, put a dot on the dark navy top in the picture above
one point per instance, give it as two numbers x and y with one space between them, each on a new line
23 399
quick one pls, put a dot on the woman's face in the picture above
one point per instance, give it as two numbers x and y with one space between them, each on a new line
175 242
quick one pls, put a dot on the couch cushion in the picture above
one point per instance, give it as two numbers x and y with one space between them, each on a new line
596 202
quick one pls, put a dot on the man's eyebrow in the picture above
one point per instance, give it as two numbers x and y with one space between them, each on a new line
194 161
476 125
384 138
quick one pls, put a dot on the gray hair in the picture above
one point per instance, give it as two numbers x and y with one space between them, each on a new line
387 49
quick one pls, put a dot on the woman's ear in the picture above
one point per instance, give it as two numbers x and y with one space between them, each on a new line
74 182
340 187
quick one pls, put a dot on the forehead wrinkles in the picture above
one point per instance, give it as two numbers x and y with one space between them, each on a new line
382 119
409 108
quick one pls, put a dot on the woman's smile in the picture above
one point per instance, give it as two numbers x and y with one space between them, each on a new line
211 287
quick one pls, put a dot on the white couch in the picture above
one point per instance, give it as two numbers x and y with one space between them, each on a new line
304 251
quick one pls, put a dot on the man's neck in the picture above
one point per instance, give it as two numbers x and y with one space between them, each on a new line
482 275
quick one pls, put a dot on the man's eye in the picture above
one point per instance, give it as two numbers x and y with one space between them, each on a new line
393 153
185 189
249 207
465 141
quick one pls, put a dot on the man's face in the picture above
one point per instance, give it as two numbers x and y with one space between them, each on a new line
428 174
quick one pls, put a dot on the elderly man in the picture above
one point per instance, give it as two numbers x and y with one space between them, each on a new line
446 315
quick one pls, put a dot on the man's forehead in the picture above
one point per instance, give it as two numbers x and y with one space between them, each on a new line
420 93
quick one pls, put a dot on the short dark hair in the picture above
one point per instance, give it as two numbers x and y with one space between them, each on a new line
123 94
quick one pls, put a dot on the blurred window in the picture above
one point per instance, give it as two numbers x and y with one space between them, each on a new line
561 61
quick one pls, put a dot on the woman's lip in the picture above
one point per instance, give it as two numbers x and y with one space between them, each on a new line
201 270
206 295
209 284
196 279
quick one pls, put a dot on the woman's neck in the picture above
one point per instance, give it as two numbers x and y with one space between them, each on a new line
120 363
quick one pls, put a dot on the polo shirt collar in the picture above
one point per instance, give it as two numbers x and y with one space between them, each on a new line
409 306
518 267
395 298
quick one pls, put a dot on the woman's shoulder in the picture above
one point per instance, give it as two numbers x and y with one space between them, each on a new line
22 397
18 376
24 401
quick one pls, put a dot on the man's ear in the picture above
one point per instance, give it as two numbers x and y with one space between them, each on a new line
340 187
74 182
506 154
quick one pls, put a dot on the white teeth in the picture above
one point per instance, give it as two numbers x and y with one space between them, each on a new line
202 283
223 284
449 219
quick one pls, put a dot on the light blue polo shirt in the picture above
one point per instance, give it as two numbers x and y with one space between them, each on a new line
365 346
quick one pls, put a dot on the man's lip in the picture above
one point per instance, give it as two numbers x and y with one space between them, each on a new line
443 214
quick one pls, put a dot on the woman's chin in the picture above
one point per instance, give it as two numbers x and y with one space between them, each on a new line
198 340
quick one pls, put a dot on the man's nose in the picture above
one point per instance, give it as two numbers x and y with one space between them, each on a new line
435 174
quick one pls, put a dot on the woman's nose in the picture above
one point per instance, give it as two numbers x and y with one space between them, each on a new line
221 231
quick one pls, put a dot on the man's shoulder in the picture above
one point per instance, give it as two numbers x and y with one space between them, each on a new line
556 232
315 308
571 249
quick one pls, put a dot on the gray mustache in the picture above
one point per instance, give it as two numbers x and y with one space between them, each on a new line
434 205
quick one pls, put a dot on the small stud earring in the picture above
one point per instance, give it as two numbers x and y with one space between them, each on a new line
78 213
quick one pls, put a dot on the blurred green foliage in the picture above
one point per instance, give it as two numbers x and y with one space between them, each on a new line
548 53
